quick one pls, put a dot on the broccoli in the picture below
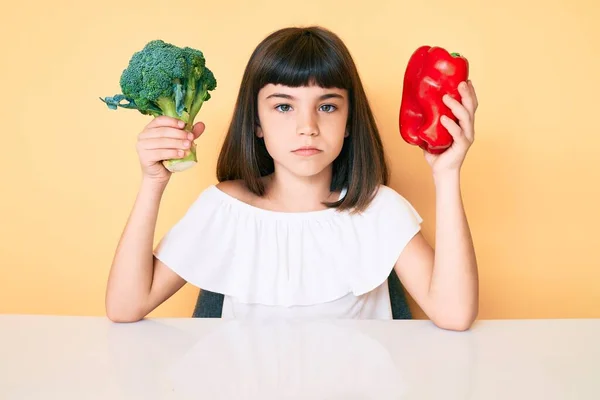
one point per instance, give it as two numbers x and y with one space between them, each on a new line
163 79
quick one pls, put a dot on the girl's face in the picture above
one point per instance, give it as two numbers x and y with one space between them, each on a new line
304 127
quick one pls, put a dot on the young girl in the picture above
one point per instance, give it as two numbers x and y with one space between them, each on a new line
301 223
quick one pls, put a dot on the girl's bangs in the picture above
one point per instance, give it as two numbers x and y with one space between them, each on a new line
304 60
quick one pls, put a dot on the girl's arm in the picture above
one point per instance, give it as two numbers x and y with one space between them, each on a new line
454 287
138 282
445 283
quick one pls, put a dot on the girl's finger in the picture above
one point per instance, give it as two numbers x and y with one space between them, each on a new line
165 133
164 143
198 129
165 121
454 129
459 110
467 98
163 154
473 94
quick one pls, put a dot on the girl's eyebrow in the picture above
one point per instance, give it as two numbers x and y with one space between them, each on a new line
290 97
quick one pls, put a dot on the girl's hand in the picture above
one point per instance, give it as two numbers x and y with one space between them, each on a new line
164 138
463 132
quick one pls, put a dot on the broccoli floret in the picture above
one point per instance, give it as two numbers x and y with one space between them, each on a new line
163 79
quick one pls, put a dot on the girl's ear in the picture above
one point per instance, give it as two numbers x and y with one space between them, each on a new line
347 133
258 130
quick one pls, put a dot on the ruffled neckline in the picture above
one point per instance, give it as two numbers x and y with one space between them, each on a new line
272 214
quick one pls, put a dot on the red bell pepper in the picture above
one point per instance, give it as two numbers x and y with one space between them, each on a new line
431 73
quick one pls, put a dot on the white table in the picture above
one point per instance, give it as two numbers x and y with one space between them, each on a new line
68 358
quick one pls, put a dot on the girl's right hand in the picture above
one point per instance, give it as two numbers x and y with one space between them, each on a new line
163 139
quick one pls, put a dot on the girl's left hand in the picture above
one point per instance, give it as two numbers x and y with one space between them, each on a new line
463 132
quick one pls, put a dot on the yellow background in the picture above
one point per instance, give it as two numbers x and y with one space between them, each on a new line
70 172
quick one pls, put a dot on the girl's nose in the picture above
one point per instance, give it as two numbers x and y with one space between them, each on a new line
307 124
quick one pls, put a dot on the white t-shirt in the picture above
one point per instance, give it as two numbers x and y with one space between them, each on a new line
319 264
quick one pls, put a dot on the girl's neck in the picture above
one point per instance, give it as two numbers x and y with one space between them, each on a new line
296 194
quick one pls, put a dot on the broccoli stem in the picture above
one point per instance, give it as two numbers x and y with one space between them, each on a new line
167 105
190 94
197 105
181 164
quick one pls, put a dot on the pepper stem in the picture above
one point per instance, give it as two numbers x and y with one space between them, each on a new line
455 54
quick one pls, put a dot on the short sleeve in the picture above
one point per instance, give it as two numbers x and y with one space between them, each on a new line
178 247
387 226
202 247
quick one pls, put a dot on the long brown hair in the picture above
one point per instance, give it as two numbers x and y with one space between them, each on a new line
299 57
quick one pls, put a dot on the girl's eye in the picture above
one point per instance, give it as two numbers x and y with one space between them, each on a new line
283 107
329 108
